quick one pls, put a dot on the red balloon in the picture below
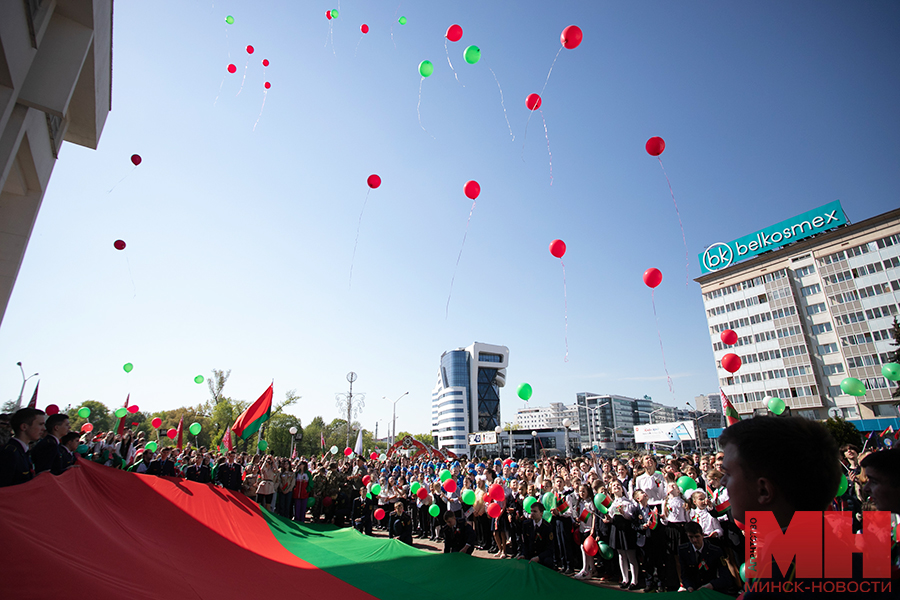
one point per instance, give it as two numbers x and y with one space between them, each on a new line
590 546
328 14
156 423
232 68
729 337
366 480
494 510
374 181
472 189
364 28
557 249
655 146
454 33
135 159
134 423
133 408
268 85
51 409
422 493
570 38
533 102
373 456
348 451
497 492
652 277
87 427
731 362
119 245
249 49
326 500
265 62
379 514
507 462
450 486
172 433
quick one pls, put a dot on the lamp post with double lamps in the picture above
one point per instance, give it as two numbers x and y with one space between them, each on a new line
394 418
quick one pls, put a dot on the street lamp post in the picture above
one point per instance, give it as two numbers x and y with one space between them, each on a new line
499 431
24 381
534 443
697 424
566 424
293 432
394 418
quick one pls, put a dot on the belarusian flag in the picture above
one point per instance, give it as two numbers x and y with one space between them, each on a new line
226 440
583 517
256 414
562 505
180 430
654 519
890 429
731 415
33 402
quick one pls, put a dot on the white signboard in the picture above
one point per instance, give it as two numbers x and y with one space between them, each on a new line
679 431
484 437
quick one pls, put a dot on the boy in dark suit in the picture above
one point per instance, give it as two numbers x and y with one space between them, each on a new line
537 538
47 454
458 535
702 564
15 463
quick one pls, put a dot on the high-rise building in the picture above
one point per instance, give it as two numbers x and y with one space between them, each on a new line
708 403
608 420
466 398
812 304
547 417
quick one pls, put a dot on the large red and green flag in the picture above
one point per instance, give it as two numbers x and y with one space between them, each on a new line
731 415
256 414
120 430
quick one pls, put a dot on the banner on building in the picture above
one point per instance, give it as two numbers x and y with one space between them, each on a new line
482 437
678 431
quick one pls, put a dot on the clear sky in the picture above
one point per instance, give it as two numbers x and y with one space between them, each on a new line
240 241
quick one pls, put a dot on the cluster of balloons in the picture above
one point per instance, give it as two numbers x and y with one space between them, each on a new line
331 14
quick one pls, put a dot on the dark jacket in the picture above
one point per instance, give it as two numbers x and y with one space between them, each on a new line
538 541
47 456
229 476
457 538
401 527
15 464
707 567
200 473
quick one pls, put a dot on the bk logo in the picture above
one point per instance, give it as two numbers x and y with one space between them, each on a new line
718 256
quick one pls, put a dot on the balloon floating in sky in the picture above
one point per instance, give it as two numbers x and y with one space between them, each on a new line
373 181
249 49
731 362
133 408
533 102
51 409
472 189
776 405
652 277
426 68
334 14
268 85
571 37
229 19
364 28
119 245
454 33
328 14
524 392
128 367
655 146
402 20
156 423
232 69
84 412
853 386
265 62
729 337
472 54
558 248
172 433
198 379
135 159
195 428
121 412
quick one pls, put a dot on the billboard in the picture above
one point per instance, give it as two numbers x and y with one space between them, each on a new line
483 437
679 431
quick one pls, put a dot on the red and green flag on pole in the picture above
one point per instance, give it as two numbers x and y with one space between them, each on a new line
731 415
120 430
180 431
256 414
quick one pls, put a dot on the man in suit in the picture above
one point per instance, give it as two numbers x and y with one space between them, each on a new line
361 513
702 564
15 463
47 453
401 524
67 446
537 538
163 466
229 474
458 535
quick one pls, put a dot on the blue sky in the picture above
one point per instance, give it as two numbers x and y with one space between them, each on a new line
240 241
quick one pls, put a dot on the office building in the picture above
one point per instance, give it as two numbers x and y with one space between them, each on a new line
466 398
608 420
812 303
55 86
708 403
547 417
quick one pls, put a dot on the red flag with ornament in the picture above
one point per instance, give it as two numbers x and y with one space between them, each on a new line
121 429
226 440
33 402
731 415
180 431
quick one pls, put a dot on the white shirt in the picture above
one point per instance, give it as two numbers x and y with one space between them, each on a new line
675 510
654 486
708 522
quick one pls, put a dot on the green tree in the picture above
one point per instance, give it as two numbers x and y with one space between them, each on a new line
216 384
844 432
100 416
425 438
311 444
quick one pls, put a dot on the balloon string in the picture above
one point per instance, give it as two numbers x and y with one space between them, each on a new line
265 93
219 93
525 137
566 304
121 180
133 287
418 111
547 135
358 226
447 313
392 25
550 71
331 33
687 260
663 352
361 36
447 52
247 64
501 103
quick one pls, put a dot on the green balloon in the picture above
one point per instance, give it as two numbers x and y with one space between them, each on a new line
776 405
853 386
84 412
195 429
434 510
310 501
262 445
842 487
121 412
334 14
524 391
526 505
402 20
599 499
744 572
605 551
445 475
229 19
472 54
891 371
468 497
376 489
686 483
198 379
549 501
128 367
82 449
426 68
414 487
151 446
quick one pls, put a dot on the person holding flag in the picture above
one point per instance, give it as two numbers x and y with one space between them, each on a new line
256 414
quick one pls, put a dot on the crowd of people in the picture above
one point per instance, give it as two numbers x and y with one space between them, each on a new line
645 522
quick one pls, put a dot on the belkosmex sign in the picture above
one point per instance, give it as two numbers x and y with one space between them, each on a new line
721 254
